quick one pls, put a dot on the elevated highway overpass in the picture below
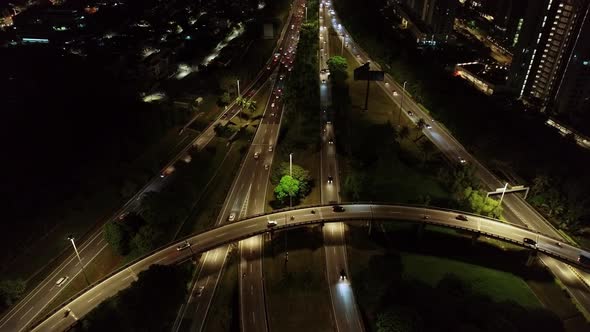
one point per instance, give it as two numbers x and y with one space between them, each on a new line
88 299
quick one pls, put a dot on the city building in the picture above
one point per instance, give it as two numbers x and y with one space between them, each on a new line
50 24
430 21
545 47
573 92
438 15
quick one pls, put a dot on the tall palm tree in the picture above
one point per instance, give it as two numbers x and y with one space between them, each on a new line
246 104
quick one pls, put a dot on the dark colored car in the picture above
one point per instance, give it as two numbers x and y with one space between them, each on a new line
330 179
337 208
530 242
461 217
342 275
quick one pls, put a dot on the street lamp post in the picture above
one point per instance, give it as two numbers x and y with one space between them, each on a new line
71 239
503 192
401 104
291 175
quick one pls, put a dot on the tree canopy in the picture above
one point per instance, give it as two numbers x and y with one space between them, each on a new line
338 69
287 187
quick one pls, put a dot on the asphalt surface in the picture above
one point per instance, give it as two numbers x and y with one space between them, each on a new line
516 209
25 312
248 197
346 314
255 226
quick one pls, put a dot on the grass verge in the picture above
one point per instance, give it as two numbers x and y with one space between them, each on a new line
296 292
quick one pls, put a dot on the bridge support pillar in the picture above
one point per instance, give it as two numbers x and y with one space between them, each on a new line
532 258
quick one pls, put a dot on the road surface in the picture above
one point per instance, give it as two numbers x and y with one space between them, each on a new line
257 225
516 209
37 299
346 314
246 197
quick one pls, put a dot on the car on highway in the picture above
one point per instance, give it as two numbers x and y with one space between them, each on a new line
123 215
395 94
61 281
266 167
410 113
342 274
182 246
271 223
461 217
428 126
330 141
256 155
337 208
323 80
232 216
270 148
330 179
530 242
462 161
199 291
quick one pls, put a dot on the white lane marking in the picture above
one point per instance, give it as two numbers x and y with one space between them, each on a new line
253 318
94 297
220 235
23 315
159 260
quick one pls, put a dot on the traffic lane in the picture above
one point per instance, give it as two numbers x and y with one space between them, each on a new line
347 318
49 291
253 309
203 289
243 189
29 307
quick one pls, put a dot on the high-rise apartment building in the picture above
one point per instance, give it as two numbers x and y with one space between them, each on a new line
438 15
573 92
545 47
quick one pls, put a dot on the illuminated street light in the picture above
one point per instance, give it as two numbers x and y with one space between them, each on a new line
71 239
401 105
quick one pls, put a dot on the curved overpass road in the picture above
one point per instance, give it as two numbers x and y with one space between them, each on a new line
516 209
250 227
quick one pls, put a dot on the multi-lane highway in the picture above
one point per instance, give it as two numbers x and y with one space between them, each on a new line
246 197
516 209
92 245
346 314
290 218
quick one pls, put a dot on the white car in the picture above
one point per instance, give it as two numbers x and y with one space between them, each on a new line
271 223
200 291
232 216
270 148
256 155
61 281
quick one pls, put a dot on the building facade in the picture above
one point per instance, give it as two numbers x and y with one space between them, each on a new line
545 47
